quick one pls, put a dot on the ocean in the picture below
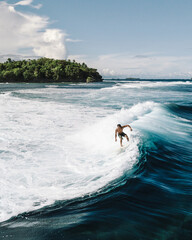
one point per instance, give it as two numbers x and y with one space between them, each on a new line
63 176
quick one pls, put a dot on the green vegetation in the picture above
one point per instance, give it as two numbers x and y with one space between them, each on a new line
47 70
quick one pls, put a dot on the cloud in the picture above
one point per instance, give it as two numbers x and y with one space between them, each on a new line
4 57
51 44
28 3
141 56
73 40
20 31
108 72
146 65
80 58
24 3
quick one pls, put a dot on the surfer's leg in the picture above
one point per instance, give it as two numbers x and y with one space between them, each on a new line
121 142
127 137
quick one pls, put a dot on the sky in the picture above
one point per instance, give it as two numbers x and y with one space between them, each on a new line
121 38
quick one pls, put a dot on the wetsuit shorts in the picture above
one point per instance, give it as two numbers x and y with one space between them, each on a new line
120 135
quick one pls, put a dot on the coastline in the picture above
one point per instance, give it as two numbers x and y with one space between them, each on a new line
45 70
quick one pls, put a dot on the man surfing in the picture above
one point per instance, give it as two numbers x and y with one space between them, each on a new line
121 134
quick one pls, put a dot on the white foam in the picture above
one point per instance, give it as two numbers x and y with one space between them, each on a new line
53 151
52 86
147 84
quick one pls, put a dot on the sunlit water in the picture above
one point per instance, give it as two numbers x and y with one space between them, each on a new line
63 176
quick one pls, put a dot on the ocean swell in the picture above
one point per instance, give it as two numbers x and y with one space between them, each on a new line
44 159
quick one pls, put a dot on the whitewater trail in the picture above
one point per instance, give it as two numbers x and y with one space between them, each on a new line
51 151
146 84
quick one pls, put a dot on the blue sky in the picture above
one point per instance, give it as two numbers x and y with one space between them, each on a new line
122 38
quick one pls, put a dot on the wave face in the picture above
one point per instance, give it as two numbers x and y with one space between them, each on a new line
64 177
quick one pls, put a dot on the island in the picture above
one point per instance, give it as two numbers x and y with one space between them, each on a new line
47 70
132 78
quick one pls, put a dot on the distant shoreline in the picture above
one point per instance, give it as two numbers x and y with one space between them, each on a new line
45 81
149 79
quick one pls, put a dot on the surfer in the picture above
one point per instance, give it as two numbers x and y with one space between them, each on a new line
121 134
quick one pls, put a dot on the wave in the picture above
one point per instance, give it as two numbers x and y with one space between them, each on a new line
180 110
47 157
38 160
147 84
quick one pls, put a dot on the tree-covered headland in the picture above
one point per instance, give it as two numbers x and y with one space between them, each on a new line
47 70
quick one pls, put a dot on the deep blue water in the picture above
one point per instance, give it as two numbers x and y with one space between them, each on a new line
64 177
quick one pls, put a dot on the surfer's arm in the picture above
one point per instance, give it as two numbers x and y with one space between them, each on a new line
127 126
116 135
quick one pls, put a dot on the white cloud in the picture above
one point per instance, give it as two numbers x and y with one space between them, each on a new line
38 6
4 57
28 3
24 3
20 31
146 65
73 40
108 72
142 65
80 58
51 44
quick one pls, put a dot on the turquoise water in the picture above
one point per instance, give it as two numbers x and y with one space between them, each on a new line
63 176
